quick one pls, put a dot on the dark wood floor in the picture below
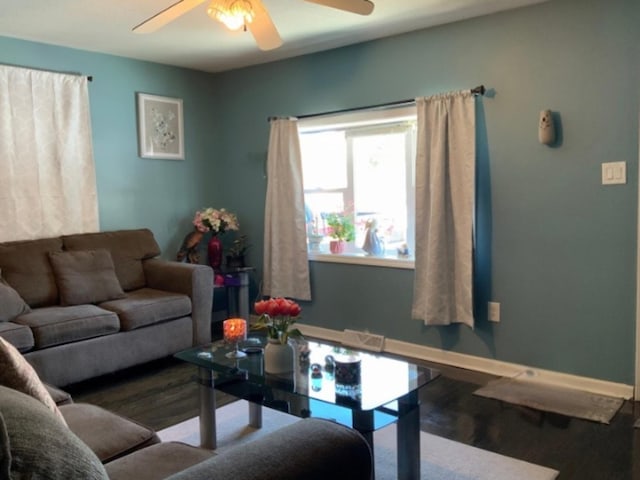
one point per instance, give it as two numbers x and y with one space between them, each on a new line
163 393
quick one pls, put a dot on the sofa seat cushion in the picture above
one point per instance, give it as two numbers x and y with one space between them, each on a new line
40 446
108 434
157 461
127 247
147 306
19 336
57 325
85 276
25 266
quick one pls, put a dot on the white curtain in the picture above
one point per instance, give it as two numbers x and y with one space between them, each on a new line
445 195
47 174
286 267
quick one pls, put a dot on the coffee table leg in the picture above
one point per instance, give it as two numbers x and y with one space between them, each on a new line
255 415
408 437
363 423
207 409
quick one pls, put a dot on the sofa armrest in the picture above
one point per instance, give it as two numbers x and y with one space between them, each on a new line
193 280
312 449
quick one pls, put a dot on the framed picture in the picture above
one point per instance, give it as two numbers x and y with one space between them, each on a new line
160 131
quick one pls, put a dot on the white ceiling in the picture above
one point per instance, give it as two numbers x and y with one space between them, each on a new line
195 41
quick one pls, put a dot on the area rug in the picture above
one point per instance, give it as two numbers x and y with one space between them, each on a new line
550 398
442 459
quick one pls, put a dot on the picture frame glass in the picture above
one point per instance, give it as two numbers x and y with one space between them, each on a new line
160 127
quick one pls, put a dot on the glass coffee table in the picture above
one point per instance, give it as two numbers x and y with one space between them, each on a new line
386 391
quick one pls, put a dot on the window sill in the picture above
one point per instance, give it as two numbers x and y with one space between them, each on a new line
361 259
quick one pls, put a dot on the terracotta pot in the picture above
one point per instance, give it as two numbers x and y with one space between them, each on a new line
337 246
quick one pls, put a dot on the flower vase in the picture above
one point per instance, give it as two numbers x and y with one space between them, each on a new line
336 246
278 357
214 250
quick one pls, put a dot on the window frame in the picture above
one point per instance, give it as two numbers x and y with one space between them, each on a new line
360 122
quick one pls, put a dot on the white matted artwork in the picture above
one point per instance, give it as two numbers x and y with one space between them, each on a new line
160 127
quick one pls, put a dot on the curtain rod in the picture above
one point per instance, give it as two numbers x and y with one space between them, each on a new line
479 90
89 77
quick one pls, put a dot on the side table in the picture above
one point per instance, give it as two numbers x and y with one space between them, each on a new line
236 285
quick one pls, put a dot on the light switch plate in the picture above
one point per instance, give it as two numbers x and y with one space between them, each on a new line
494 312
614 173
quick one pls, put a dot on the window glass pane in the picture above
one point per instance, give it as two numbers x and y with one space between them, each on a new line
317 205
324 160
379 165
363 167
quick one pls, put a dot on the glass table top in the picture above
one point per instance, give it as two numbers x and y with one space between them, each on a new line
382 382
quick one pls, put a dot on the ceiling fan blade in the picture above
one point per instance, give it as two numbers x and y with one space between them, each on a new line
263 29
361 7
167 15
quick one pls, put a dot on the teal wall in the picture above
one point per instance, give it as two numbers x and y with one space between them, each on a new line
133 192
558 250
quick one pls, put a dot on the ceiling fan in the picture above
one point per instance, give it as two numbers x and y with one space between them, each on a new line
247 14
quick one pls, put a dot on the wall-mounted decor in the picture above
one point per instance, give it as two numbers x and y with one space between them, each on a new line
160 133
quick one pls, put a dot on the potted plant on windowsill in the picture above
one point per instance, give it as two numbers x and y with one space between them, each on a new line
341 230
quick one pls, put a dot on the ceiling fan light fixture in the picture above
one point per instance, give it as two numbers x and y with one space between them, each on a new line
234 14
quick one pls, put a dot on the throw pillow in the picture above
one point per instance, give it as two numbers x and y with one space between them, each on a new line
40 447
85 276
18 374
11 303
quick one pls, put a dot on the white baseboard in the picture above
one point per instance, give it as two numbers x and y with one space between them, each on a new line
485 365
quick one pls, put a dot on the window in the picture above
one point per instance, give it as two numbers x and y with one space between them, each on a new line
361 164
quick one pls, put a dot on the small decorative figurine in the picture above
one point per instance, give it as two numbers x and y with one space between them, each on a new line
373 245
189 248
403 251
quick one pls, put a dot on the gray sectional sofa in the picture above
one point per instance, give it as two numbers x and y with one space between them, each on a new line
99 445
99 302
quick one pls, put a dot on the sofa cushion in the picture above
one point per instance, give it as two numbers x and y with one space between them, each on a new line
108 434
20 336
41 447
85 276
11 303
16 373
128 248
25 266
57 325
157 461
59 396
147 306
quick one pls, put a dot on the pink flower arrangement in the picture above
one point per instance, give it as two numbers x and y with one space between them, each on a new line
215 221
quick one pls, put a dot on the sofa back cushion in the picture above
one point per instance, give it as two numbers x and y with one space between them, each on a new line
11 303
39 446
128 249
25 266
85 276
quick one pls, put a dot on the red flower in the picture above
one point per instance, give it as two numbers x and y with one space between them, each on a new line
260 307
273 308
294 309
279 306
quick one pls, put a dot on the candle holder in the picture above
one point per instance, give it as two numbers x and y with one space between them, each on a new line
234 330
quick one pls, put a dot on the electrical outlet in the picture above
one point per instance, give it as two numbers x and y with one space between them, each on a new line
494 312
